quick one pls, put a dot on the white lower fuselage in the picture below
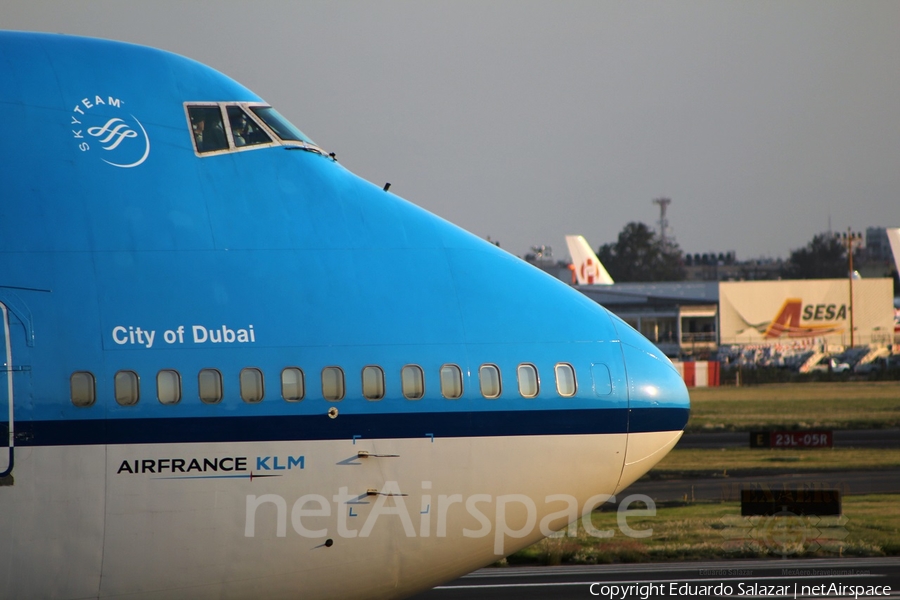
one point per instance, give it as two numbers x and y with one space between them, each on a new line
314 520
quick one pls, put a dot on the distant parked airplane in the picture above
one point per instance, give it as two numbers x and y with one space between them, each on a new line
893 234
586 267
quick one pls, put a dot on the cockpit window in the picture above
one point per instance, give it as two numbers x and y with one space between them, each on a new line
224 127
244 131
207 127
281 126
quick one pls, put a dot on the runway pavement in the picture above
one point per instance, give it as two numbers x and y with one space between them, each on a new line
728 489
776 578
858 438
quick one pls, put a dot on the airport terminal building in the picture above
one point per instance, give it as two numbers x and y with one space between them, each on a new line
693 319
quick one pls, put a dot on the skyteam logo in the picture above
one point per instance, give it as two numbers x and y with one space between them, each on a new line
100 125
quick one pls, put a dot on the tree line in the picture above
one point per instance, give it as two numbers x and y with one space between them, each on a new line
639 254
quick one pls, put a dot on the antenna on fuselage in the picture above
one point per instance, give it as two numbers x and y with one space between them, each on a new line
387 186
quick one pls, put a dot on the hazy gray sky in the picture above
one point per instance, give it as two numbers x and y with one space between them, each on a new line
527 121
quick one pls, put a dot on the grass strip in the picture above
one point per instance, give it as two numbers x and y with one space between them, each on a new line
691 462
834 405
869 526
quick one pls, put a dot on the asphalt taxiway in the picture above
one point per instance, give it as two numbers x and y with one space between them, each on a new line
776 578
728 488
857 438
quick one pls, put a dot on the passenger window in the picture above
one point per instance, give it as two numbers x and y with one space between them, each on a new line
451 382
565 380
244 131
293 386
168 386
127 388
373 383
528 380
252 389
82 388
333 383
210 386
207 128
412 379
489 375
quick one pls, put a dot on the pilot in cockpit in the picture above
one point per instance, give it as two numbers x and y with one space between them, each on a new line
206 126
198 124
240 130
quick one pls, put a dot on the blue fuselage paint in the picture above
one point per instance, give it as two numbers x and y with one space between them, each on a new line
146 256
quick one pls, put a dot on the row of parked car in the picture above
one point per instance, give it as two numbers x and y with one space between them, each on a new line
861 360
858 360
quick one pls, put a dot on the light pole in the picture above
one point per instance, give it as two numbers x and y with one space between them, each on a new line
851 239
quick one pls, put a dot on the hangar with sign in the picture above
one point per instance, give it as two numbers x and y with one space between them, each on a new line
759 312
692 319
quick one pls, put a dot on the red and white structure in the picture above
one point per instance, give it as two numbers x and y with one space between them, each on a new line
701 373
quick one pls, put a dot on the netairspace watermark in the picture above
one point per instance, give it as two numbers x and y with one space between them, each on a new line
737 589
357 514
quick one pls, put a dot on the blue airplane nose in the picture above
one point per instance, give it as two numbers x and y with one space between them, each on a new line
658 403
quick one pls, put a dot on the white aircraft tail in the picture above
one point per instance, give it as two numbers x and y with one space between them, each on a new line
587 268
893 234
